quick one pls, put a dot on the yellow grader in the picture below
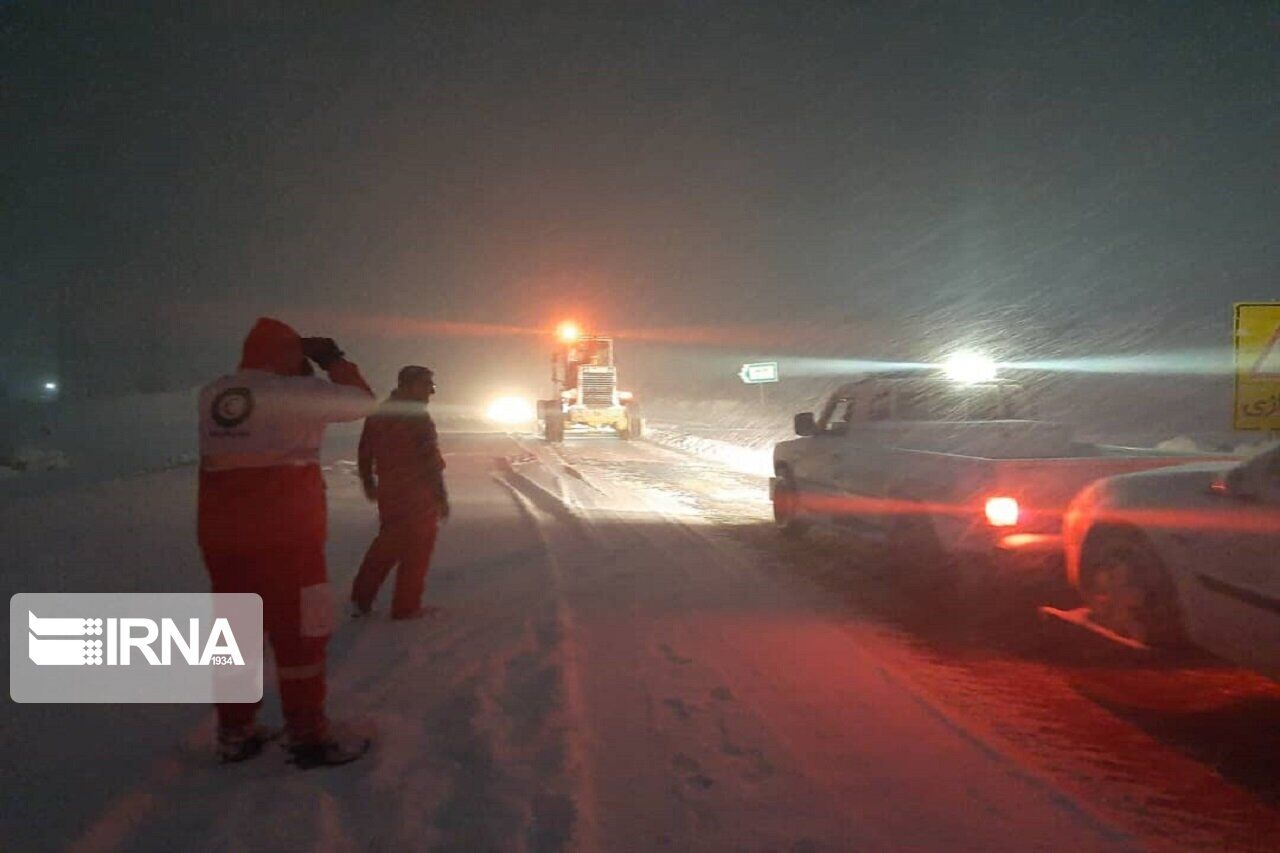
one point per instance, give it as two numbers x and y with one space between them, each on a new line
585 384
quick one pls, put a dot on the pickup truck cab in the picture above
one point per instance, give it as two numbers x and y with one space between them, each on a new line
1182 555
941 469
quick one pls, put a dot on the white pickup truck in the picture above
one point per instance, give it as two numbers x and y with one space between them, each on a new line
1182 555
945 470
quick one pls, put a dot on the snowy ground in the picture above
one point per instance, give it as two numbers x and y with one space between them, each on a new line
628 658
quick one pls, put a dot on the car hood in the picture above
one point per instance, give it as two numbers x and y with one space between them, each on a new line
1178 485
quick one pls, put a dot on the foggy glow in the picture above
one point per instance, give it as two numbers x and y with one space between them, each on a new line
568 331
844 366
510 410
970 367
1202 362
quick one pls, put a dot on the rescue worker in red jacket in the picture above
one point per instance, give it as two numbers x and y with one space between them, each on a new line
262 522
402 469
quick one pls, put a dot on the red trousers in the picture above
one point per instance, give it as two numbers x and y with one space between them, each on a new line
293 623
405 540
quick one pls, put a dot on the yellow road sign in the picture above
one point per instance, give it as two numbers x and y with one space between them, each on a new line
1257 339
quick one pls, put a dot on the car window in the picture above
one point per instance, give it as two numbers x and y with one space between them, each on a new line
842 413
943 403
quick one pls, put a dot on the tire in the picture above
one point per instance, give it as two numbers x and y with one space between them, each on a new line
554 429
786 498
1128 590
635 424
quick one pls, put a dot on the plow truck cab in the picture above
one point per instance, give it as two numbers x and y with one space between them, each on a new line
584 382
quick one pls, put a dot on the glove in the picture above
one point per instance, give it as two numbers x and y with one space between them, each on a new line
323 351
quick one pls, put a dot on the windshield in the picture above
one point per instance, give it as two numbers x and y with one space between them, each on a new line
957 403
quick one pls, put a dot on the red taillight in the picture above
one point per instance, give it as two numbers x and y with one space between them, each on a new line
1002 511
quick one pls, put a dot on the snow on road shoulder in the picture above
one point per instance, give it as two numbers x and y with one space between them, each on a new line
754 457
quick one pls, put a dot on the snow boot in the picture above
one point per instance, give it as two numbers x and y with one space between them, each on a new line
236 745
333 749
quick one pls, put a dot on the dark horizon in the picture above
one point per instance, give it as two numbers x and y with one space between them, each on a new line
1077 171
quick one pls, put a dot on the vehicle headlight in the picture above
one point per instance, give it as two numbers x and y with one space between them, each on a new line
970 367
511 410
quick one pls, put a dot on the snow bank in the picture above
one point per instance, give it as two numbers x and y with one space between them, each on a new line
33 459
747 459
98 438
1203 444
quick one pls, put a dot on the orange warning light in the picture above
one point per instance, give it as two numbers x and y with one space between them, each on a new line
568 331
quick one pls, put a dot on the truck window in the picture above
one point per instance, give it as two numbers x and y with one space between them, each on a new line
951 403
836 415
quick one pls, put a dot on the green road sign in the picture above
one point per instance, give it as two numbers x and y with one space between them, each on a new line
759 373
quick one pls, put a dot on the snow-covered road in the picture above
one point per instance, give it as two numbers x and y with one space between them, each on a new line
626 659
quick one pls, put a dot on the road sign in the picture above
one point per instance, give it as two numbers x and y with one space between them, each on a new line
759 373
1257 341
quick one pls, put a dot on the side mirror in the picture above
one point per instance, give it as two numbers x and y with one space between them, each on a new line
805 424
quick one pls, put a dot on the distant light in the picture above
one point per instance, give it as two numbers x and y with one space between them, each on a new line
1002 511
51 386
511 410
568 331
970 367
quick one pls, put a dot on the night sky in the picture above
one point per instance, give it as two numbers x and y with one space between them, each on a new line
1068 167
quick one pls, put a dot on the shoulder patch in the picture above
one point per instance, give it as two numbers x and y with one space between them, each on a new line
232 407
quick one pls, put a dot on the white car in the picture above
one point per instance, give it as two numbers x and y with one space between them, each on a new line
1186 554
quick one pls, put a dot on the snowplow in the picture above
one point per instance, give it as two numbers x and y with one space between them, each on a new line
585 391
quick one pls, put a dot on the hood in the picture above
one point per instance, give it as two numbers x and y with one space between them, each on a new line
274 346
1194 472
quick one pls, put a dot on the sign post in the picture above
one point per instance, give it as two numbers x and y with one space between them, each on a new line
1257 366
760 373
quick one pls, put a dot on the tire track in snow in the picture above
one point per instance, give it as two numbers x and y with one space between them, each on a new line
631 473
579 817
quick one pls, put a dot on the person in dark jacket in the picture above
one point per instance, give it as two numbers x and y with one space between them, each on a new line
402 469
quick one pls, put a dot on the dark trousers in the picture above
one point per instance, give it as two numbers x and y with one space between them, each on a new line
404 542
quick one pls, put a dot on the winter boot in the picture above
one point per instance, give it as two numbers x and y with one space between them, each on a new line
241 744
333 749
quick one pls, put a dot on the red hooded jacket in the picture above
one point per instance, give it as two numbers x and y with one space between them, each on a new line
260 434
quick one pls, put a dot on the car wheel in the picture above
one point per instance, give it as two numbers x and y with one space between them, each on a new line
1128 590
786 504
